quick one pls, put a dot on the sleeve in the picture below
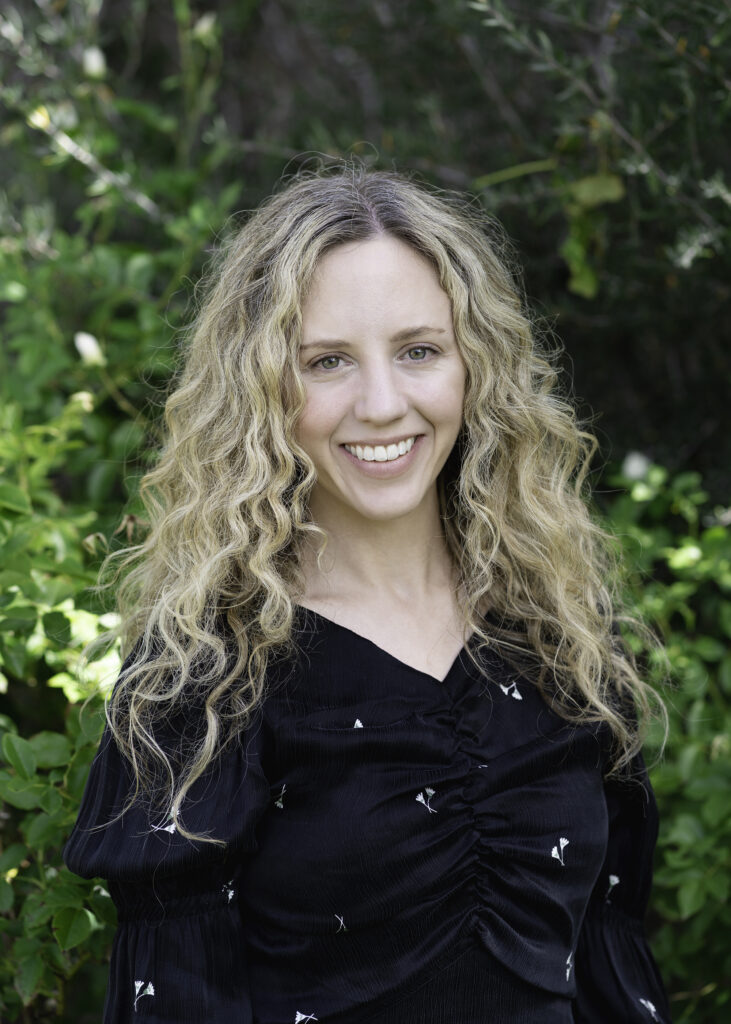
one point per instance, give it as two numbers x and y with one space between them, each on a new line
616 976
179 955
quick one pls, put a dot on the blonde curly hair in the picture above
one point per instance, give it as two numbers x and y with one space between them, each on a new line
208 599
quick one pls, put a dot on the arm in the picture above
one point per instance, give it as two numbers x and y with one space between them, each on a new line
616 976
179 954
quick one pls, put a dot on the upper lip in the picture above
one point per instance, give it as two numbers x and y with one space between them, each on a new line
384 443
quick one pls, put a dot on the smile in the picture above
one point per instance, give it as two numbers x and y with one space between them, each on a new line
380 452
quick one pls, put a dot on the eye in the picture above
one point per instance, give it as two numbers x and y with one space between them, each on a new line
419 353
326 363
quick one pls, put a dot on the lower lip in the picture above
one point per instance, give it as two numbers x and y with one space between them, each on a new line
384 469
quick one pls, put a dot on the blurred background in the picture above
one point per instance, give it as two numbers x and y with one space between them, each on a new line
596 131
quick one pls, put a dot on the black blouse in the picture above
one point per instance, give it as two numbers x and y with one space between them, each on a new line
399 849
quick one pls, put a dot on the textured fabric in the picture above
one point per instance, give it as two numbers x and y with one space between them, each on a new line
399 849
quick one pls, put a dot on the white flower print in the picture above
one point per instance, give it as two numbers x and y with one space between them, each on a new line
141 990
168 827
425 797
613 880
512 689
557 851
569 965
300 1017
650 1008
279 802
357 724
343 926
228 890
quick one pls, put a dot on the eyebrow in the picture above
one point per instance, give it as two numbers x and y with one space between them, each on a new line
403 335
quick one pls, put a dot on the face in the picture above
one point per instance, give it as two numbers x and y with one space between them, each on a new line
384 382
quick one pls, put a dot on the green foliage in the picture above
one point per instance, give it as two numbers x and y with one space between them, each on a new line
131 132
680 552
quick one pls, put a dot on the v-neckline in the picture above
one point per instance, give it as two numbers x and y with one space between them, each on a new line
382 650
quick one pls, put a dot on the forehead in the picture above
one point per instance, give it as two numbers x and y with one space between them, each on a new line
378 279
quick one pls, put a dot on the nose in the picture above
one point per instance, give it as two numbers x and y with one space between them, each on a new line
381 395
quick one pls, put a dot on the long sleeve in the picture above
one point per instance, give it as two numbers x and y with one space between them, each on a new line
179 952
616 976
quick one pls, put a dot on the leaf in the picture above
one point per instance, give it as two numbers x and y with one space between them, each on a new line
57 628
6 896
12 857
13 498
19 753
28 974
19 619
708 648
78 772
44 830
71 926
51 801
51 749
596 189
691 897
19 792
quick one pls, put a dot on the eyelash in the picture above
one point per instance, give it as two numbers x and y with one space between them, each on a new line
317 364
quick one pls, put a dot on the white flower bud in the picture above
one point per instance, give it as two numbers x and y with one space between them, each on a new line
88 348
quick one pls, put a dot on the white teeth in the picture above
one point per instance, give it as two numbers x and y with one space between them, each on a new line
379 452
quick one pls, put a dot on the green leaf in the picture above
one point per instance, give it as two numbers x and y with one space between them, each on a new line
596 189
51 801
6 896
13 498
19 792
691 897
71 926
51 749
708 648
28 970
78 772
57 628
12 857
19 619
44 830
19 753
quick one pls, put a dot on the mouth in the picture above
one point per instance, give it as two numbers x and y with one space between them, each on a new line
381 452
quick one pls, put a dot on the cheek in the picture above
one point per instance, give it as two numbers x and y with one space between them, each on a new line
315 423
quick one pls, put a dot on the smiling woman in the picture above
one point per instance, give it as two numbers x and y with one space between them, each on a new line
373 756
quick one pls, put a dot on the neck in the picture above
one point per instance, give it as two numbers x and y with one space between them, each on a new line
403 560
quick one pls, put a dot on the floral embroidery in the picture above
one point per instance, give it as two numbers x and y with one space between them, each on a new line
279 801
557 851
512 689
343 927
358 724
169 827
650 1008
422 799
569 965
613 880
228 890
141 991
300 1017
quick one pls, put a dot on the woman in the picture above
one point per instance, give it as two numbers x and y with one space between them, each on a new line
373 756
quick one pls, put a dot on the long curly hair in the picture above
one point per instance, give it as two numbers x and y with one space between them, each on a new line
208 599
